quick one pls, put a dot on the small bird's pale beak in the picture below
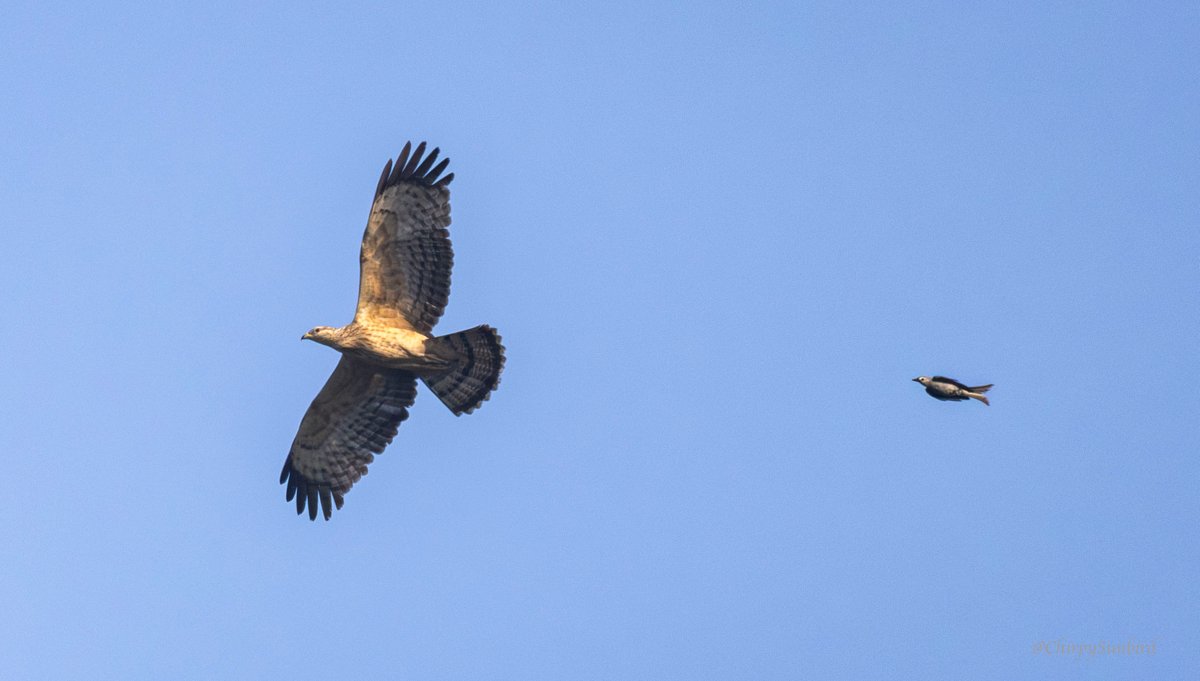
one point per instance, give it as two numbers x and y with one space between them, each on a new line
307 336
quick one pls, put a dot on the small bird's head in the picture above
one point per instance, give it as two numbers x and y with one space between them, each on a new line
923 380
324 335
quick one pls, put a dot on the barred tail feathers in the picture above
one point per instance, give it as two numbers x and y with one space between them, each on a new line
466 386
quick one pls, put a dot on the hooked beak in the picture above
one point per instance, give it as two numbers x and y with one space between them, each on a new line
307 335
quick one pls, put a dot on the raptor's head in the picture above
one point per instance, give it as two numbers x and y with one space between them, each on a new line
324 335
923 380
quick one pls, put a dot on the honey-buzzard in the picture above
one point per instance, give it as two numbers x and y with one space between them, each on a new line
404 282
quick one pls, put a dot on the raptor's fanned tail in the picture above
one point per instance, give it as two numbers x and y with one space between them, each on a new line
468 384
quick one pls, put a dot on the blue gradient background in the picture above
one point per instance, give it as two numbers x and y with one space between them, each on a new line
719 239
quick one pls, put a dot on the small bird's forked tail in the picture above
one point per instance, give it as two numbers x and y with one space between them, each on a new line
469 383
978 391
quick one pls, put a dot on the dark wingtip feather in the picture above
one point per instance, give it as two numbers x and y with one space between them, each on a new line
413 166
432 176
403 157
326 502
309 494
387 170
419 173
416 158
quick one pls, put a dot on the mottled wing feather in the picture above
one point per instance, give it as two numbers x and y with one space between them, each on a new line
406 256
951 381
352 419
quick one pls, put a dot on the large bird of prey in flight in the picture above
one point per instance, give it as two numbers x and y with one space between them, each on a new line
404 281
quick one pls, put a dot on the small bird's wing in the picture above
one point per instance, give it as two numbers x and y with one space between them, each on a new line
404 277
352 419
943 396
951 381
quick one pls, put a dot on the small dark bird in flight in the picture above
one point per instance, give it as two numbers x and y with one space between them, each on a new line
950 390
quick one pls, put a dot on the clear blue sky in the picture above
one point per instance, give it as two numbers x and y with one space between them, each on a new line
719 241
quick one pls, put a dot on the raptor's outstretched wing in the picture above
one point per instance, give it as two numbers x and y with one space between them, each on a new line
351 420
406 255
